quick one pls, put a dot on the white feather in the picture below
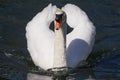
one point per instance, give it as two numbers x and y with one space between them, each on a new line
40 39
81 39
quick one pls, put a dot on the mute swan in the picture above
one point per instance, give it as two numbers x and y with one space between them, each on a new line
50 49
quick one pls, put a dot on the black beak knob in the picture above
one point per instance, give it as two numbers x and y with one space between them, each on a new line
58 17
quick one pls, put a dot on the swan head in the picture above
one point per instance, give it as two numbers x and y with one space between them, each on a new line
59 19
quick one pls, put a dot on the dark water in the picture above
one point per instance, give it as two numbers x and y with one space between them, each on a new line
15 61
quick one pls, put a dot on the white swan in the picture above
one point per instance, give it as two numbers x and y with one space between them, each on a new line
47 48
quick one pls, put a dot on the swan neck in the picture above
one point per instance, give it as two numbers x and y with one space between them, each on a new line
60 48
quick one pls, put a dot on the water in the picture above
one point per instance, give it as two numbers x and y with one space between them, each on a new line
15 61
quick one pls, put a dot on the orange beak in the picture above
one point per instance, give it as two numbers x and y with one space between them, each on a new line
57 25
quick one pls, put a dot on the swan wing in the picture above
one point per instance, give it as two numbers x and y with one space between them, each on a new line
40 39
81 39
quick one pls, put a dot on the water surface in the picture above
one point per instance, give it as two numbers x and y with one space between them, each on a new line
15 61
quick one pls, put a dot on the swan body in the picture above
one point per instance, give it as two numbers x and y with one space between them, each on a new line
41 40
